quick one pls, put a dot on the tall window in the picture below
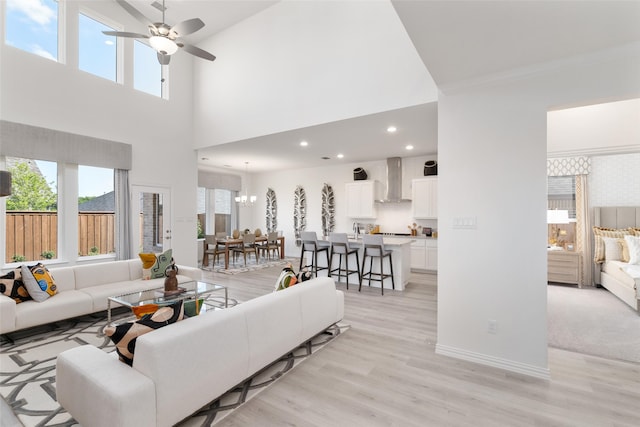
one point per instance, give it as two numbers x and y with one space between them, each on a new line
32 217
96 211
32 25
97 53
147 71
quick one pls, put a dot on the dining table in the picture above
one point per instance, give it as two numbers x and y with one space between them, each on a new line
230 242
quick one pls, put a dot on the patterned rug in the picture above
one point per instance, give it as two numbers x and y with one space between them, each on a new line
239 266
28 361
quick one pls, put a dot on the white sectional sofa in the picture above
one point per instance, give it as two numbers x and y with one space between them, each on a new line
181 367
82 290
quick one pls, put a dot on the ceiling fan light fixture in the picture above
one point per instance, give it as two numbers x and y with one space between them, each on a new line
163 45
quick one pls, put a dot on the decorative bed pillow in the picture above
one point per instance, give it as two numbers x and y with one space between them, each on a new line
635 231
12 286
612 248
599 233
154 265
39 282
624 248
124 336
633 242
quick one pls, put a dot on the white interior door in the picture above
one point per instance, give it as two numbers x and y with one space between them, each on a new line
151 210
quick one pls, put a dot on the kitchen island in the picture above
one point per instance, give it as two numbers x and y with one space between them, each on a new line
400 254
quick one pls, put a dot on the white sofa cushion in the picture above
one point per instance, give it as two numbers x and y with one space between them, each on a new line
60 306
101 274
64 277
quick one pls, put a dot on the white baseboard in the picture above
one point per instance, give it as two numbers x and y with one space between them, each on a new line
496 362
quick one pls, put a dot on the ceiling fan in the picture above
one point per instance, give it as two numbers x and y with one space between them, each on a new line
165 39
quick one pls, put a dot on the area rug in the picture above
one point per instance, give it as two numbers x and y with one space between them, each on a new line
239 266
592 321
27 371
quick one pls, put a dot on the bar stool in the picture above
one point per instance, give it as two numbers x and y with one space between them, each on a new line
310 243
374 248
340 247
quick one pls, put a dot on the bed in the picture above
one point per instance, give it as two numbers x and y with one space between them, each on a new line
620 278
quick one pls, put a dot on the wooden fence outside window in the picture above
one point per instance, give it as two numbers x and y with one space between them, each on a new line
31 234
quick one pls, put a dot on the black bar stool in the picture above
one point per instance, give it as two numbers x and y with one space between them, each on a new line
374 248
310 243
340 247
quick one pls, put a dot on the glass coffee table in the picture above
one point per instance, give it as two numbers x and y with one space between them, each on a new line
193 291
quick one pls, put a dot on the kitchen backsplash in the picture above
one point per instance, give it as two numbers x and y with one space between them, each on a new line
396 218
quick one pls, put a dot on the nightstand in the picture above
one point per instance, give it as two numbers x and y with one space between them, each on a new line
564 267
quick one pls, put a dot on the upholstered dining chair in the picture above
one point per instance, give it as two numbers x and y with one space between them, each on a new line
248 246
211 247
271 245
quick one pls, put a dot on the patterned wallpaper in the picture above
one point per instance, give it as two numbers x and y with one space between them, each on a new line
615 180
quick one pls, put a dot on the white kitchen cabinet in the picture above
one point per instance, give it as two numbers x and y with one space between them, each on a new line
424 196
361 196
424 254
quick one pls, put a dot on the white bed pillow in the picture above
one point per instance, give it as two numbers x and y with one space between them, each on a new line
633 242
612 249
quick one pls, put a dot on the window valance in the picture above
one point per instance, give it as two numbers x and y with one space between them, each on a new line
565 166
223 181
32 142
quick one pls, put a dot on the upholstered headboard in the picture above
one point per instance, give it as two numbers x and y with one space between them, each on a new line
613 217
616 216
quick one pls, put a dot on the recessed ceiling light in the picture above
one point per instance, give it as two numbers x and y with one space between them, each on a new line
391 129
409 147
303 143
340 156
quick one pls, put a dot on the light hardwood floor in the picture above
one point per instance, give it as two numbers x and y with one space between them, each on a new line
384 372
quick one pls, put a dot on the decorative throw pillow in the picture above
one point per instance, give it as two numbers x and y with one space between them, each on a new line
633 242
153 266
287 278
39 282
12 286
124 336
624 248
612 249
599 233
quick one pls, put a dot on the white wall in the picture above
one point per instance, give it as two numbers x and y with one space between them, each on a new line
615 180
601 128
53 95
303 63
492 157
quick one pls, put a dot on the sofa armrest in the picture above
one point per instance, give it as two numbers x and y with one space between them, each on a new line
191 272
7 314
99 390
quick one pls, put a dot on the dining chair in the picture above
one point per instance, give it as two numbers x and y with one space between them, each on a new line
248 246
271 245
211 247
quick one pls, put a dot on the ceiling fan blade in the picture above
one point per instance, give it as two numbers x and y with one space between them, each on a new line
197 51
187 27
134 12
125 34
163 59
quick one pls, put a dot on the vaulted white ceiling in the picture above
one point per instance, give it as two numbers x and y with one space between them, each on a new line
459 42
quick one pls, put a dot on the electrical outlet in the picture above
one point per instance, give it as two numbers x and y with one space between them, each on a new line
492 328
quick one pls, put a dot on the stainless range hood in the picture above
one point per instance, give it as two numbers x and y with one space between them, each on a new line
394 181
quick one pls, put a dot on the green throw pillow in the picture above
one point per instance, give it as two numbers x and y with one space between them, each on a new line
154 265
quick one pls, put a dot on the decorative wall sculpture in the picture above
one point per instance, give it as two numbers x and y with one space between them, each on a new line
299 213
272 211
328 210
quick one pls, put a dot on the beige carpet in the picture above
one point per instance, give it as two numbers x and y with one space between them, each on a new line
592 321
